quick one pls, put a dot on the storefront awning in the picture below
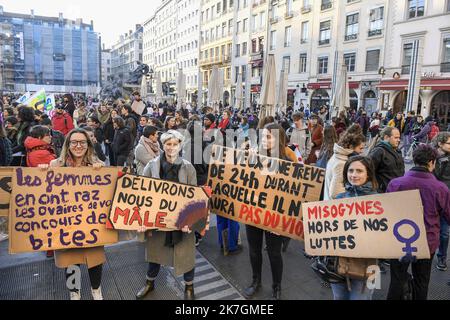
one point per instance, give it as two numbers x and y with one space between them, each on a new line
327 85
425 84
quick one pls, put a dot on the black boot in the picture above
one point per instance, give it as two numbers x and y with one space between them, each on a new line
149 287
253 289
276 292
189 292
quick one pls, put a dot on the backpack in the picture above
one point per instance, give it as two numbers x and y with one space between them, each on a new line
433 132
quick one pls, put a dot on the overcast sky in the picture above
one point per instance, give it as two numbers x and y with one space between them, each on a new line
111 17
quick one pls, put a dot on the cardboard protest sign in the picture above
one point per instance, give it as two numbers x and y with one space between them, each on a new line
138 107
5 190
158 205
385 226
61 208
260 191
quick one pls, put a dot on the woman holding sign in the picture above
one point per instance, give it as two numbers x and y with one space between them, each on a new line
78 151
273 144
175 248
359 181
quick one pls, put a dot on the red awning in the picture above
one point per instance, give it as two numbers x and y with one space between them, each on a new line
255 89
327 85
425 84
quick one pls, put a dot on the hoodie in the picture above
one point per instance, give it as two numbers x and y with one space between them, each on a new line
38 152
334 179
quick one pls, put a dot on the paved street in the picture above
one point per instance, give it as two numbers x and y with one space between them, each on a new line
32 276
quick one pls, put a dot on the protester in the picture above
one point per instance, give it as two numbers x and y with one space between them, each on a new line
5 148
143 122
78 151
122 143
108 132
327 150
273 138
442 173
300 135
97 146
57 137
177 248
38 145
62 121
398 122
95 124
436 205
170 124
359 180
316 139
349 144
387 159
147 149
25 116
69 105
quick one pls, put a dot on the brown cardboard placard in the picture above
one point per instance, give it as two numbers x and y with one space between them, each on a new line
5 189
384 226
261 191
138 107
157 205
61 208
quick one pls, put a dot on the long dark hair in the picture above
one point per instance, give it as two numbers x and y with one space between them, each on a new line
367 162
282 138
329 139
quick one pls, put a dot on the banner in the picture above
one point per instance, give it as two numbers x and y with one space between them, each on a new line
5 190
138 107
158 205
24 98
260 191
61 208
49 104
385 226
37 101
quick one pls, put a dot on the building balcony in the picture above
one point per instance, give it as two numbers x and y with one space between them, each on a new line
256 80
324 42
351 37
256 56
288 15
326 6
306 9
274 20
376 32
215 60
445 67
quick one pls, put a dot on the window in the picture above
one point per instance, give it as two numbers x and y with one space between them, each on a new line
273 39
244 25
238 50
372 60
305 32
303 62
352 27
254 17
376 21
236 72
325 32
350 61
416 8
218 8
287 64
326 4
238 27
445 66
224 29
244 73
407 57
322 65
244 48
289 7
287 37
448 5
254 44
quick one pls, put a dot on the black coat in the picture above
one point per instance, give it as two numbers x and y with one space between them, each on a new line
108 131
442 170
388 165
122 143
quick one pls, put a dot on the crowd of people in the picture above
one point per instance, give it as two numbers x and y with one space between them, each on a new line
362 155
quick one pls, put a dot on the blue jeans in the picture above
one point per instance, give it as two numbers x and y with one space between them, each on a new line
443 245
233 232
341 292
